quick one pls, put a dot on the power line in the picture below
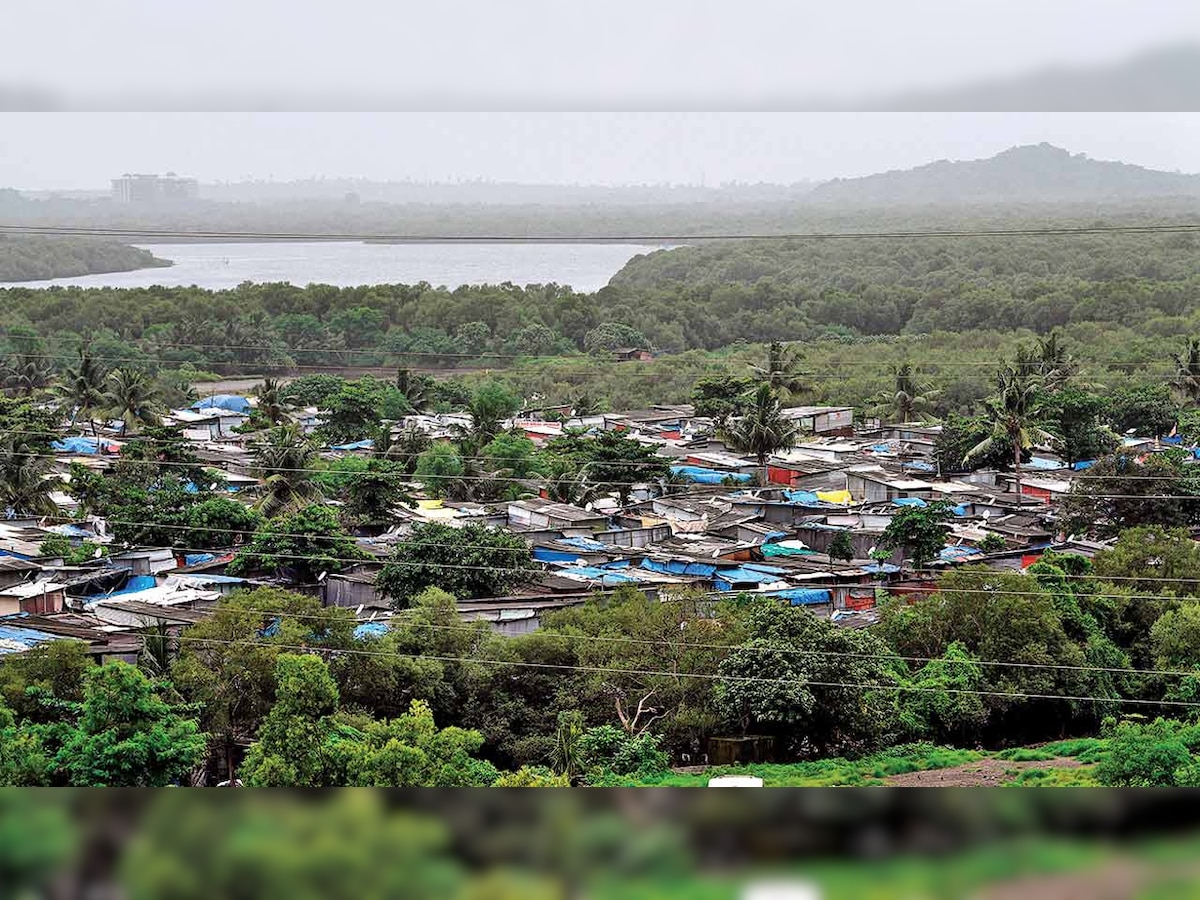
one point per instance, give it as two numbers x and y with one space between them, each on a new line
499 238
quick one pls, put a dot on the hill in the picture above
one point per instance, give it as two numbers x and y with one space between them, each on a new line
37 258
1029 174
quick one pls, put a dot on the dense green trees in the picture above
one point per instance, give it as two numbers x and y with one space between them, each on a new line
469 562
34 258
302 545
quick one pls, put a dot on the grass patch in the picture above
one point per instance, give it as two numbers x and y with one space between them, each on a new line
1026 754
1086 750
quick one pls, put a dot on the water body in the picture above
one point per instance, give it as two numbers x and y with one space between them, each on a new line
585 267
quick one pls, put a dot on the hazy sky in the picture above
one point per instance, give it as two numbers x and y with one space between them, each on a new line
617 52
41 151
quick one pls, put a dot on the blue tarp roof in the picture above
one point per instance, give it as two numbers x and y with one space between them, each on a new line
1173 439
679 567
702 475
228 402
954 554
23 637
910 501
84 446
583 543
743 574
364 444
882 448
205 578
803 596
808 498
1083 464
195 559
919 466
370 630
595 573
132 586
1038 462
880 568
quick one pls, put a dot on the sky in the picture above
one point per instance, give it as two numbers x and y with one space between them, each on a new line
52 151
617 54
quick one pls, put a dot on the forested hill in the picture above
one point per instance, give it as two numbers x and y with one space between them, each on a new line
1040 173
35 258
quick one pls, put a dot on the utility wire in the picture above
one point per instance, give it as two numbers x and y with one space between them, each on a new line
499 238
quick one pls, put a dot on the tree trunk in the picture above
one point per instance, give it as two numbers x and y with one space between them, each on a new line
1017 470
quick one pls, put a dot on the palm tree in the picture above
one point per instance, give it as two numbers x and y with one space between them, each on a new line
24 486
271 405
402 448
911 393
763 430
82 387
1187 371
287 458
1015 414
25 375
133 398
782 371
417 389
1048 360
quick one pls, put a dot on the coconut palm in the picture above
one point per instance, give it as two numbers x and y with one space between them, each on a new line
1187 372
1015 414
763 430
271 405
287 459
911 394
781 371
133 397
25 375
24 486
1048 360
416 388
82 387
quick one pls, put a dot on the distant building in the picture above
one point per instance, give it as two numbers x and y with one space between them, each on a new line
169 188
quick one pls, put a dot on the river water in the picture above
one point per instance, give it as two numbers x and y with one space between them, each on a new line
585 267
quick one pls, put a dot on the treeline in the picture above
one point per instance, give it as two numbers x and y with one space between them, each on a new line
710 295
35 258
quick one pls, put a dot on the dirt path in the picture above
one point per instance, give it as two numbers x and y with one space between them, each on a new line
982 773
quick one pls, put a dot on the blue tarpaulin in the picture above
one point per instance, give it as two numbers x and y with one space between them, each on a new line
805 498
1173 439
960 510
370 630
549 554
876 568
910 501
701 475
882 448
227 402
195 559
958 554
1038 462
1083 464
594 573
583 543
132 586
919 466
14 639
679 567
84 446
727 578
803 596
365 444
